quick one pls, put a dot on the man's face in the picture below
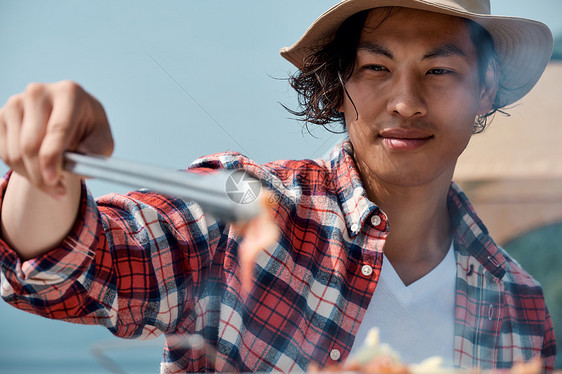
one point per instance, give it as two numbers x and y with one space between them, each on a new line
416 89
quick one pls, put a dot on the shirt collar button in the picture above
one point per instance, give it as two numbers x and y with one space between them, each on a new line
367 270
376 220
335 354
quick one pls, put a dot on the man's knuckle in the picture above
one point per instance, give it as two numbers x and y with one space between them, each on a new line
50 149
30 148
13 102
13 158
70 86
58 128
35 90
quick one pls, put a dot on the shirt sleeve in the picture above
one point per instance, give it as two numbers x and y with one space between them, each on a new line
548 352
131 263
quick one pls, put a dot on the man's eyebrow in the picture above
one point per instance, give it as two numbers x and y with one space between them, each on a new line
445 50
376 48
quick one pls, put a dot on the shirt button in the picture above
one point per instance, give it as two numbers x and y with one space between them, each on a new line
367 270
376 220
355 228
335 354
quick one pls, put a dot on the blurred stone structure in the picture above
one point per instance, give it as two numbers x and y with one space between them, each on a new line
512 172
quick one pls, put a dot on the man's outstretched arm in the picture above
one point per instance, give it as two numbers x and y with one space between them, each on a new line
36 127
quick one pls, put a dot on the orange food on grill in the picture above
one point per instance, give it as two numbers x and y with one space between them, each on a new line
258 233
378 358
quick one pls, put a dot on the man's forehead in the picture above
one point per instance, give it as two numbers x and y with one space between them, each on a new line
412 19
442 50
447 34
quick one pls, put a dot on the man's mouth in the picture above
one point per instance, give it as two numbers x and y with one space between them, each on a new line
400 139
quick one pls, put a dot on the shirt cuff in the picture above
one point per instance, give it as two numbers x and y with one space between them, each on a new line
68 260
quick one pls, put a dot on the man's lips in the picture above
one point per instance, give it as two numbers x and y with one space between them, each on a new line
404 139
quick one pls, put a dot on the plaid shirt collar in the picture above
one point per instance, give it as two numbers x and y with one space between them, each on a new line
471 236
356 206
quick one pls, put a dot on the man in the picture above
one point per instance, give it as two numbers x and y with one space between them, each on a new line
380 220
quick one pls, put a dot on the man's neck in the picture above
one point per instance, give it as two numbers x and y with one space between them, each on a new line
420 232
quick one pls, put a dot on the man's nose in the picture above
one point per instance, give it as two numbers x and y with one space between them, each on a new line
406 96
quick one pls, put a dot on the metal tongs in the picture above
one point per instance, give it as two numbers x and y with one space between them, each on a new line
213 192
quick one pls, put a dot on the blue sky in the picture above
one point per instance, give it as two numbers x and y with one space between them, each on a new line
180 79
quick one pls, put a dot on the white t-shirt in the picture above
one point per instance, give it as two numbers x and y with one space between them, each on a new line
418 320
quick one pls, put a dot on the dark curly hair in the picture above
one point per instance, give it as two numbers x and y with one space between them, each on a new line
320 84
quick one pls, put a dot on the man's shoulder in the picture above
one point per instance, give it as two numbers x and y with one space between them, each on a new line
302 170
306 176
281 168
222 160
517 276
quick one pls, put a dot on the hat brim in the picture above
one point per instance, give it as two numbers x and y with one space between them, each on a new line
524 47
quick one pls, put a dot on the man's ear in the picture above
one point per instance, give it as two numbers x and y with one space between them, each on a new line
489 88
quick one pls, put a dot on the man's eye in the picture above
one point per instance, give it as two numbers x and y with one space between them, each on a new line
439 71
375 68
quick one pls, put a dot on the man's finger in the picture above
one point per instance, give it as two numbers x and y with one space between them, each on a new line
3 144
13 116
57 136
37 109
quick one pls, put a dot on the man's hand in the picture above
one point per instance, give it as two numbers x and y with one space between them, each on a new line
39 124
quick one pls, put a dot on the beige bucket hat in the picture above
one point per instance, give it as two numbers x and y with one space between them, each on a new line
524 46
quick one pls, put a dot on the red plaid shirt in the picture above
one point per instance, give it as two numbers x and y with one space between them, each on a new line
145 264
